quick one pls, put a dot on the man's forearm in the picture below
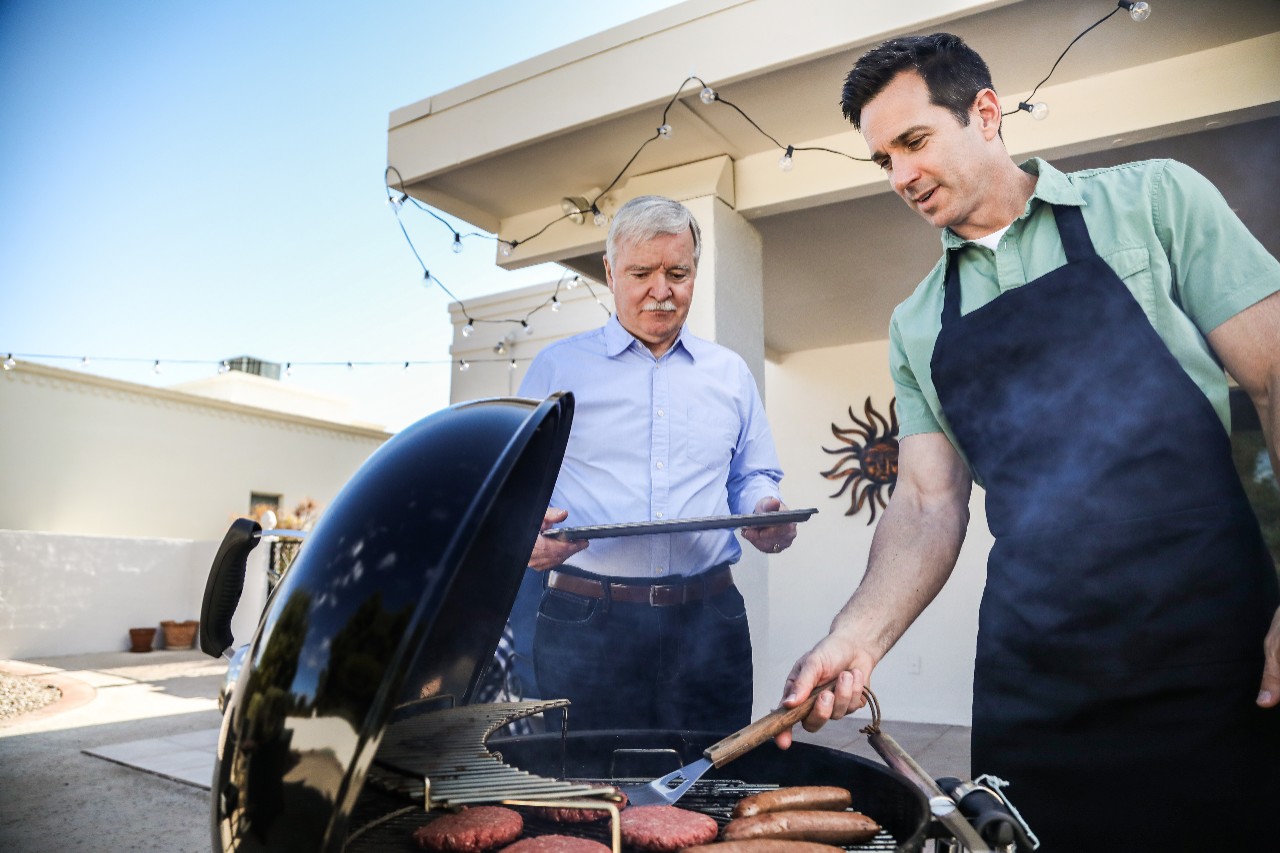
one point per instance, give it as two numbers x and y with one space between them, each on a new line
912 554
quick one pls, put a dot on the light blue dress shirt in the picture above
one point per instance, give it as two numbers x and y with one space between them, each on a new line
680 436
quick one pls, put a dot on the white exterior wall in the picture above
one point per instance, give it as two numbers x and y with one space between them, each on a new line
115 496
98 457
65 595
928 676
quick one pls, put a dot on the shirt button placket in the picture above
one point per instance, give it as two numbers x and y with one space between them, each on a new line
660 453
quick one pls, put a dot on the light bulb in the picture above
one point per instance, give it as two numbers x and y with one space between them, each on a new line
269 520
707 95
500 348
506 248
555 304
468 329
84 362
597 217
528 330
513 364
1039 110
223 367
155 368
288 368
350 366
464 366
785 163
665 131
1138 11
9 363
457 243
574 282
406 367
396 202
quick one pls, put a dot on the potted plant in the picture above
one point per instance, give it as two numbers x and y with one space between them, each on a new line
141 639
179 635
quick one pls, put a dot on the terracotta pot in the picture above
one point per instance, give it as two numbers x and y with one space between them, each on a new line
179 635
141 639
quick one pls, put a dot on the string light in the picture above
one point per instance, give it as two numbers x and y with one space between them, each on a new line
513 364
1039 110
84 362
574 208
1138 11
785 163
224 366
500 348
464 366
155 368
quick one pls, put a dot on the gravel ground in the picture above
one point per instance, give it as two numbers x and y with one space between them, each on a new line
20 695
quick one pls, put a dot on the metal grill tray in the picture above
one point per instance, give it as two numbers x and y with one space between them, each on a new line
680 525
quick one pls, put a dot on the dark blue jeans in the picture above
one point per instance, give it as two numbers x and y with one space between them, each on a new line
635 666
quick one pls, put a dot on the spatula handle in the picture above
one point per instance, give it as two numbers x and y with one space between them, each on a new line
746 739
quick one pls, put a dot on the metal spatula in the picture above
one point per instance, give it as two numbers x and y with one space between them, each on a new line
670 788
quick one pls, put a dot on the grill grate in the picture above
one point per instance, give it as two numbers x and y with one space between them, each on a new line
392 828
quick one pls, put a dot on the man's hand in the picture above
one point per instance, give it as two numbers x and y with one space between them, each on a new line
770 540
549 553
832 658
1269 694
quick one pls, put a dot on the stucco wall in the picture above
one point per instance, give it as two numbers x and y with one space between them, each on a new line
91 456
62 595
928 676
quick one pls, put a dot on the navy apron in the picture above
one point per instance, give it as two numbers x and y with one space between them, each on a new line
1128 590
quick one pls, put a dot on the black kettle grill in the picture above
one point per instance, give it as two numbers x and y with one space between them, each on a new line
354 720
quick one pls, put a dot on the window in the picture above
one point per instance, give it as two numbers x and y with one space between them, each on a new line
260 502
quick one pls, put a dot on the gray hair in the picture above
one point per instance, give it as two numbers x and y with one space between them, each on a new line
649 216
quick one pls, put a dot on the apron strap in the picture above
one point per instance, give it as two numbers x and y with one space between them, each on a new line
951 289
1076 241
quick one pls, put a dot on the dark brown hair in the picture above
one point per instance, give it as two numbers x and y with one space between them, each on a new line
953 71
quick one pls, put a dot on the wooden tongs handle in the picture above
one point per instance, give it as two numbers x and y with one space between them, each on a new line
762 730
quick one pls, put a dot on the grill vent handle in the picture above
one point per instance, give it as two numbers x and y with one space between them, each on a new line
762 730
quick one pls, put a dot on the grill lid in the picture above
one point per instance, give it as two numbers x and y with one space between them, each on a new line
399 594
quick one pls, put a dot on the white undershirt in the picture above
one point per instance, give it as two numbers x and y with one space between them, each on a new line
992 240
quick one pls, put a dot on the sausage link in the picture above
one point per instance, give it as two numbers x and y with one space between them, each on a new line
809 797
827 827
764 845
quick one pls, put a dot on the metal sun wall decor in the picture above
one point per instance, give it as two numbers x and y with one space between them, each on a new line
870 466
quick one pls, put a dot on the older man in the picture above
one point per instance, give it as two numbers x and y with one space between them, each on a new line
1067 352
650 631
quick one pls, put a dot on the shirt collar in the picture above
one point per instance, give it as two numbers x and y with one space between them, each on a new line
617 340
1052 187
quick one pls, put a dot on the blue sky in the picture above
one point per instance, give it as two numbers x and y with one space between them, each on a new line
183 180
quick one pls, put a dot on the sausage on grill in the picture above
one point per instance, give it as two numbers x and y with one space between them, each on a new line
827 827
764 845
808 797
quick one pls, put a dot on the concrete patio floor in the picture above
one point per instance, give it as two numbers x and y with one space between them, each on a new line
124 760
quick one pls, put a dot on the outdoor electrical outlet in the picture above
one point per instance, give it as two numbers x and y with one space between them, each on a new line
913 665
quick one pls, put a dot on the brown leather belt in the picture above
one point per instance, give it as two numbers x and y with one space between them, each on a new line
709 583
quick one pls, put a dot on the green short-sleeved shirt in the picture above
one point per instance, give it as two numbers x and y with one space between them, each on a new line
1166 231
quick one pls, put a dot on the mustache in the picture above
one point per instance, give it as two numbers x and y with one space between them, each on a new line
654 305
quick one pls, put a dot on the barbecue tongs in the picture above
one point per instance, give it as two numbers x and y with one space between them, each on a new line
670 788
